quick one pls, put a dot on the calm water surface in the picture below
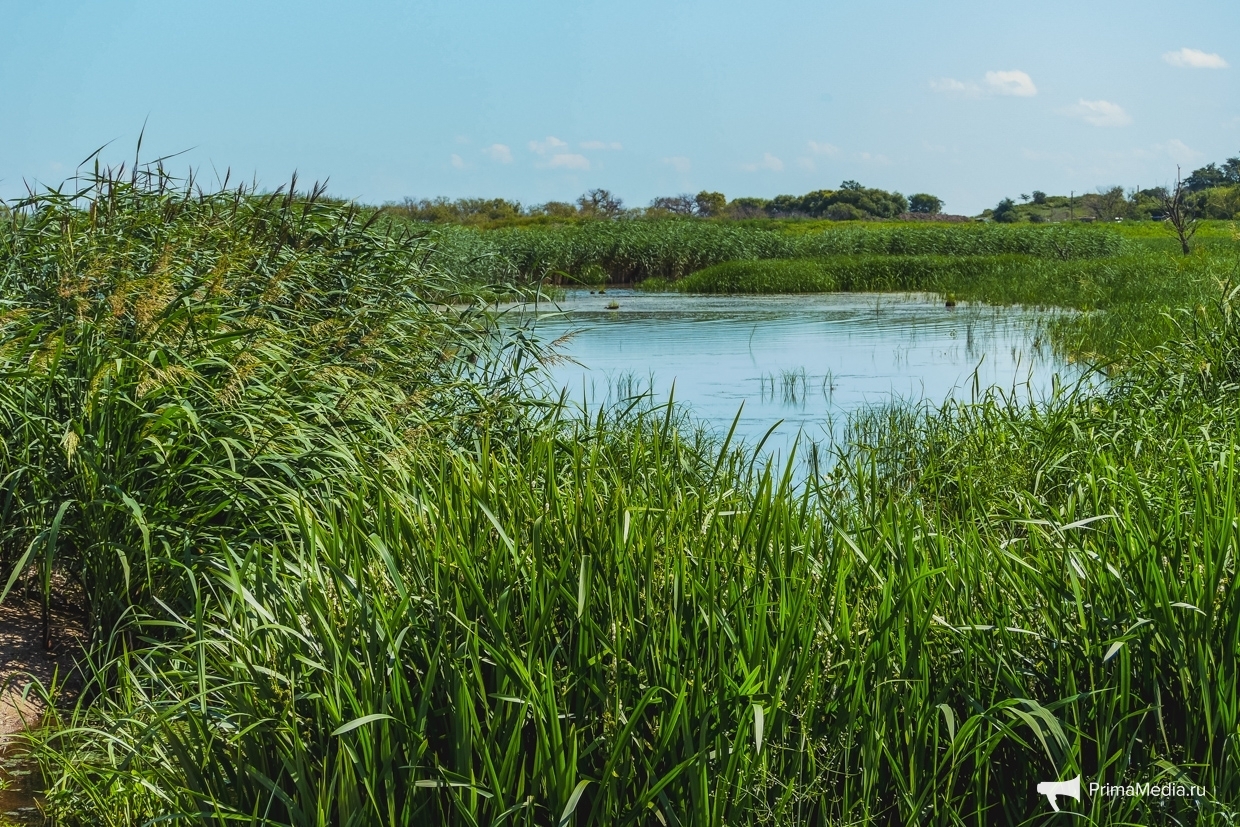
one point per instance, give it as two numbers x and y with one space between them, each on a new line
803 361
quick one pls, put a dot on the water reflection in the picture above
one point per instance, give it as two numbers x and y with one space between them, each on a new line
805 360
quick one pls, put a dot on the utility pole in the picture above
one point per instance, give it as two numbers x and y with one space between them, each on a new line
1071 205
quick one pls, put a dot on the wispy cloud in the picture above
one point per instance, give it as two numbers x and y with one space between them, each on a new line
823 149
457 161
951 86
816 149
679 163
1195 59
498 152
1181 152
566 160
1099 113
547 146
874 158
769 162
601 145
1012 82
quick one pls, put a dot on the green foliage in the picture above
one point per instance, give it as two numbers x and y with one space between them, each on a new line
864 202
175 363
633 250
1126 299
460 211
710 204
600 203
1005 212
1221 202
342 571
925 203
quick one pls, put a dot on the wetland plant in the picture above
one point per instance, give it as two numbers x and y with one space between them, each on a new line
339 568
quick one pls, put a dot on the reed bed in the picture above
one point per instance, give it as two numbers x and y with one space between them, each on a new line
341 570
632 251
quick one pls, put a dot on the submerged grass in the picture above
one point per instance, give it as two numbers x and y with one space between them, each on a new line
342 571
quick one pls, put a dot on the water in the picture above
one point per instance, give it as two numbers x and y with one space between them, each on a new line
802 361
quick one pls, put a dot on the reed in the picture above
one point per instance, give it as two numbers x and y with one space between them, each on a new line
632 251
342 570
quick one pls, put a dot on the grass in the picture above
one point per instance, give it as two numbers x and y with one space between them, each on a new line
1125 299
341 570
632 251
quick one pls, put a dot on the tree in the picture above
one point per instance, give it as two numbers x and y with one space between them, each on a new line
556 209
1231 170
1109 204
676 204
1178 214
925 203
843 212
600 203
1005 212
710 204
747 207
1205 178
1039 197
851 185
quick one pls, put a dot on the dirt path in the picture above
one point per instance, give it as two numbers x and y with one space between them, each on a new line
23 656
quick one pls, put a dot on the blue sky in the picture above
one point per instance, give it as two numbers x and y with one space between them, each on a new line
537 101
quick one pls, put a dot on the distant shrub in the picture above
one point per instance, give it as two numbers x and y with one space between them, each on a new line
771 276
1005 212
843 212
925 203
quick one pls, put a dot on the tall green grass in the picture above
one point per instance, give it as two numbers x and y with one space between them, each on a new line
631 251
1125 299
340 570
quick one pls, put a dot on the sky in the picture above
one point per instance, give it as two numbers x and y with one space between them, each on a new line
544 99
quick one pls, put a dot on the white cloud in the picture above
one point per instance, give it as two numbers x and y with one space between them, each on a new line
1181 152
1100 113
951 86
569 161
875 158
823 149
498 152
768 162
457 161
601 145
1006 82
679 163
547 146
1012 82
1195 59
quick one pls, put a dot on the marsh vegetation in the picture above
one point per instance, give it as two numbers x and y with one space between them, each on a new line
339 567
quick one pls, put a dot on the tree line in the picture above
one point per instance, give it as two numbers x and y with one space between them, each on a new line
1211 192
849 202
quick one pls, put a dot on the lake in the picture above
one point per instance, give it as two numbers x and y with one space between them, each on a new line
805 361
